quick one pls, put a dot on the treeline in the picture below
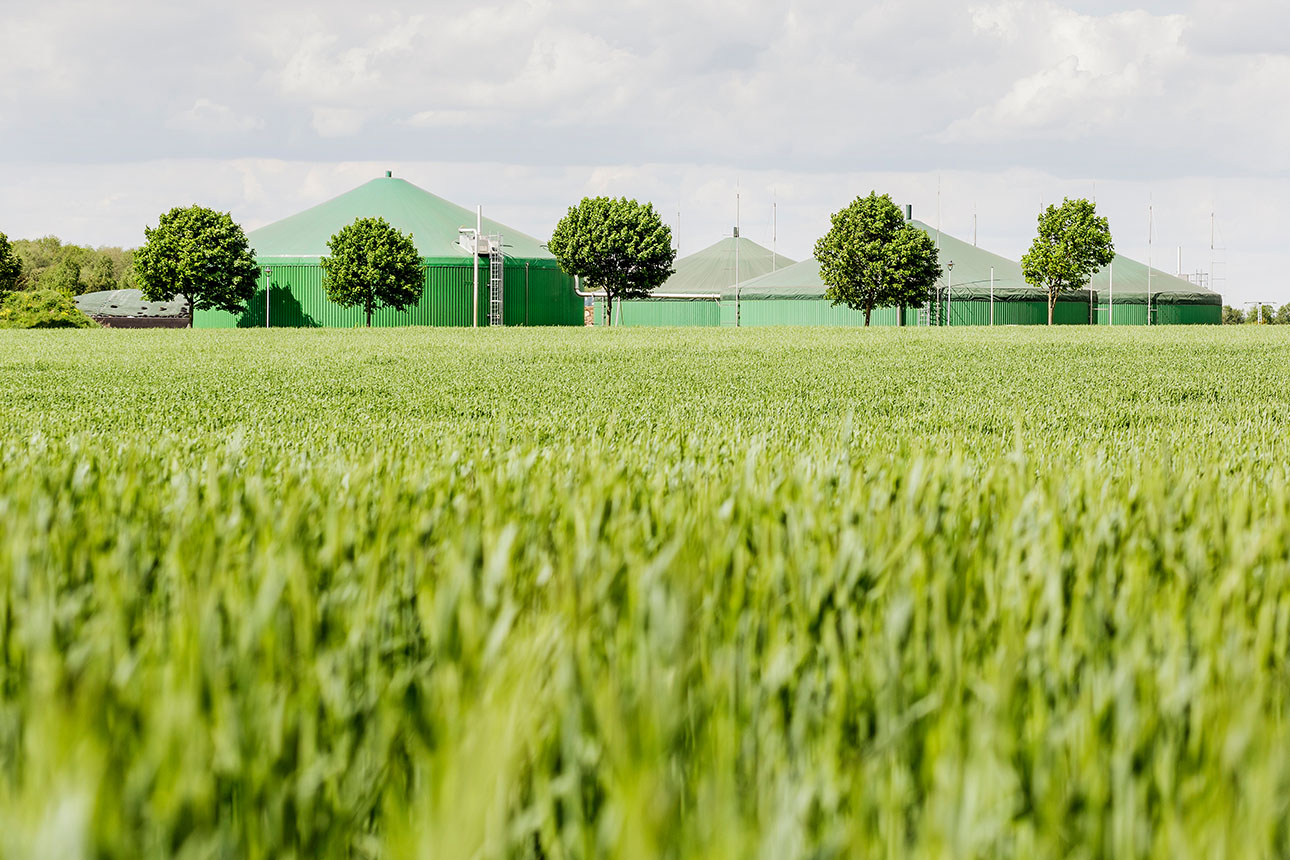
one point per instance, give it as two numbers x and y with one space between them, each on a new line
1265 314
48 264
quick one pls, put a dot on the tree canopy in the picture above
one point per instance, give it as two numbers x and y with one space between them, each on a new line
872 258
619 246
50 264
10 266
200 254
1072 244
371 264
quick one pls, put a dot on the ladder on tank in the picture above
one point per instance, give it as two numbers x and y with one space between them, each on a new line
496 278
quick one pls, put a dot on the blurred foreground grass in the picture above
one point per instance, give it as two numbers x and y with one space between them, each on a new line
655 594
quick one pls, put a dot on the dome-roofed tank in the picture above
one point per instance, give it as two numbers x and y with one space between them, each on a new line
534 290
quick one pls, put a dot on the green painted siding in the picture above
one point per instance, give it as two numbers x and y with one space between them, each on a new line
977 312
535 294
764 312
1162 314
668 312
821 312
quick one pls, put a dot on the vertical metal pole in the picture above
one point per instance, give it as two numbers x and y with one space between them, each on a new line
474 303
774 230
1151 224
992 295
736 253
1110 307
949 288
938 213
268 275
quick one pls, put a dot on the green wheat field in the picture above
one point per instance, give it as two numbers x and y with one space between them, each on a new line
779 593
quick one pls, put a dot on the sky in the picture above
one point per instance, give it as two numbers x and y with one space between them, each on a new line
1170 115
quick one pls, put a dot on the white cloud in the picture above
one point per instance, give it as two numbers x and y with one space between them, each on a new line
337 122
1077 75
208 117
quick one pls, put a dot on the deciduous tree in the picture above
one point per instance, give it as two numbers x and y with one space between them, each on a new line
1263 314
1072 244
200 254
371 264
872 258
619 246
10 266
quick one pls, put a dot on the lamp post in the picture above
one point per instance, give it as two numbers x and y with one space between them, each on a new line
268 273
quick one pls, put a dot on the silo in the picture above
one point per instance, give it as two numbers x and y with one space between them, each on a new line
529 285
1123 289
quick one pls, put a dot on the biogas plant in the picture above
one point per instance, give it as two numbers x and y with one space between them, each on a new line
480 272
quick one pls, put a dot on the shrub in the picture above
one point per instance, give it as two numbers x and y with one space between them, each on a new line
42 309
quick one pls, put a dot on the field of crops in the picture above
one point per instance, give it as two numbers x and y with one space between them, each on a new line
645 594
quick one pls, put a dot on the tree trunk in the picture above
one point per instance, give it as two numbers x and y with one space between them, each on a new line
868 309
609 309
1052 302
369 314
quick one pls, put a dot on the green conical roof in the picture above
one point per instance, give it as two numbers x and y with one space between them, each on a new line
432 221
712 270
971 276
1130 286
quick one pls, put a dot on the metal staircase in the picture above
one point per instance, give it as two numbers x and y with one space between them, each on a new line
496 277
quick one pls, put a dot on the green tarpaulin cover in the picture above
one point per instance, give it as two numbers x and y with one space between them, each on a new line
970 277
1130 286
432 221
712 270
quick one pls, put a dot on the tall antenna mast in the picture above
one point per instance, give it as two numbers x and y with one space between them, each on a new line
938 211
1151 223
973 225
736 231
678 228
736 253
774 229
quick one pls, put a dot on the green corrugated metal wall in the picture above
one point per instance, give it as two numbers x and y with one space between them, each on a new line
663 312
1161 314
821 312
764 312
977 312
534 295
